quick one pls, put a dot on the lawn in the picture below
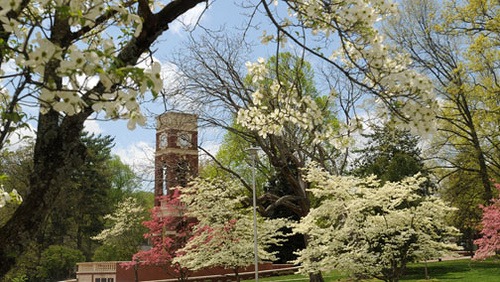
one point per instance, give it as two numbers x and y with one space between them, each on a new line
454 270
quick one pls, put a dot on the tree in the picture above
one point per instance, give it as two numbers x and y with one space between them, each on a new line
365 228
454 42
391 154
58 262
169 229
52 44
489 243
223 235
124 181
124 236
426 31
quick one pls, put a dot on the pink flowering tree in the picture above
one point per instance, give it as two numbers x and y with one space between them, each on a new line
489 243
169 230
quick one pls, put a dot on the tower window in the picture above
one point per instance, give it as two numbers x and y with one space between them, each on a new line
164 180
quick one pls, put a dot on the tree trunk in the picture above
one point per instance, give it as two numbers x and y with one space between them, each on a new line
316 277
479 153
237 274
313 277
58 151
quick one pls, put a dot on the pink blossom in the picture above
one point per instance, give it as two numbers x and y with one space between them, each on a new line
169 231
489 243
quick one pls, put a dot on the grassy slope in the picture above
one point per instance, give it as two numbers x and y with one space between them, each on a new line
456 270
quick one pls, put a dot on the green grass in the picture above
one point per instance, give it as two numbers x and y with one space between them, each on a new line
451 271
456 270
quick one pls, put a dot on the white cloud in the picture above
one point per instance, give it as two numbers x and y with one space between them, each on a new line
21 137
212 147
188 20
140 157
137 155
92 126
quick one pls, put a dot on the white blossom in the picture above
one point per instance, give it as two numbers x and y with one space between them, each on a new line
223 235
9 197
386 70
363 227
126 214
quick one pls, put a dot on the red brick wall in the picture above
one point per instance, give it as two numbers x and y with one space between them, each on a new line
163 273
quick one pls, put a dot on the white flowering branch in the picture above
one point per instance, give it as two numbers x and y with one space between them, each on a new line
9 197
363 57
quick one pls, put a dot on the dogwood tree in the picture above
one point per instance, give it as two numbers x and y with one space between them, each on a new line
367 229
489 243
224 234
169 230
124 235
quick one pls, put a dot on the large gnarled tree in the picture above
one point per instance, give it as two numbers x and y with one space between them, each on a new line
69 59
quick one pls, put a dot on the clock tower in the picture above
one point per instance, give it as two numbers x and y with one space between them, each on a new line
176 157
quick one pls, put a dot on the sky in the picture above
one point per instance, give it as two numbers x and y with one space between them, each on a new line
136 147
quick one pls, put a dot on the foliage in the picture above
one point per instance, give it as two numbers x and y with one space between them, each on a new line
92 184
100 184
489 243
456 44
464 191
168 231
224 234
124 236
124 181
391 154
368 229
58 263
14 174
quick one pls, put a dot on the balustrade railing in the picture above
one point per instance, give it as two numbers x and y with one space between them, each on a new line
97 267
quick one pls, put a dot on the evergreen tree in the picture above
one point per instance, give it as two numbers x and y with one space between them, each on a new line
391 154
86 196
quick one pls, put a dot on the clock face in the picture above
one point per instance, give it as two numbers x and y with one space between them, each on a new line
163 140
184 140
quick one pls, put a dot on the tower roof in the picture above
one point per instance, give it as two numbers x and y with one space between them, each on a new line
177 120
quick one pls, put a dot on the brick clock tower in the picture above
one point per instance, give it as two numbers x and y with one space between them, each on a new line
176 157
